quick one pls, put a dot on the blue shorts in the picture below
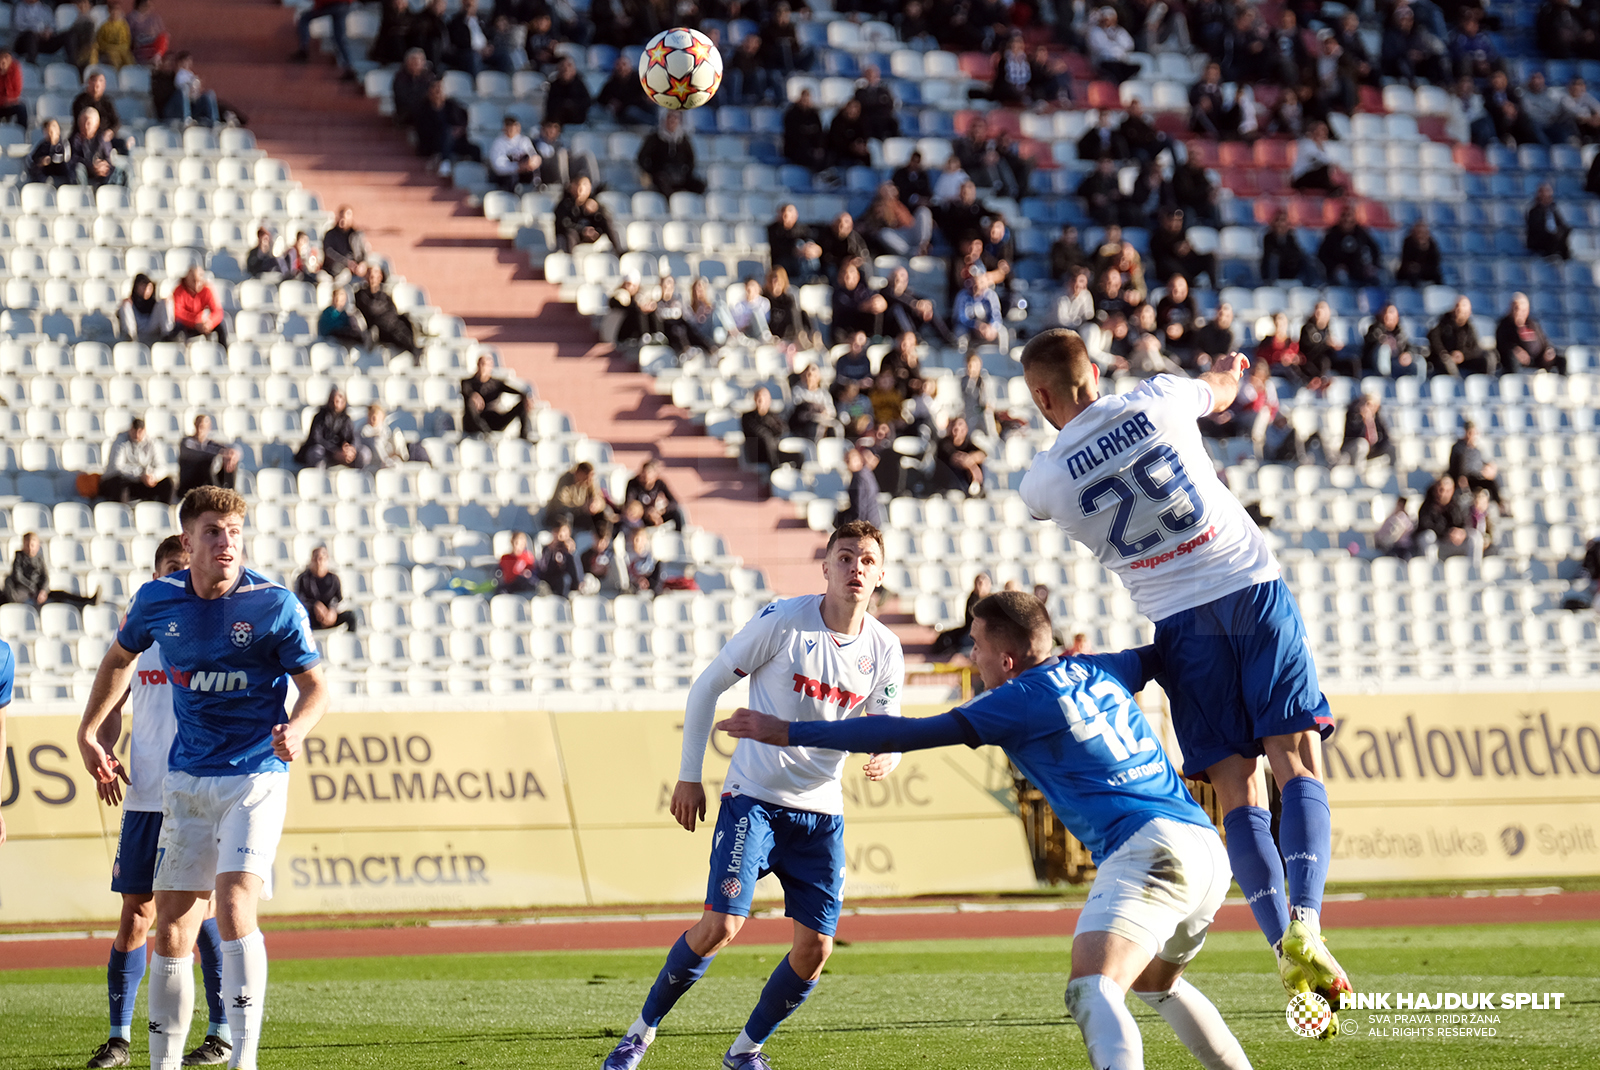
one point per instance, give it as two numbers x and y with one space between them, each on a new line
134 871
1237 670
805 849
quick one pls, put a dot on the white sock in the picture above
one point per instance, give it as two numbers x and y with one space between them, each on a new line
1100 1008
1199 1025
171 987
743 1045
1312 918
244 990
646 1033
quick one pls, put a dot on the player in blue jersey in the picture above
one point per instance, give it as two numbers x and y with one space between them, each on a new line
1129 477
149 702
1071 726
230 640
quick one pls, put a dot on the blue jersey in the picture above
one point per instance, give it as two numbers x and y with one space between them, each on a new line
1073 729
8 672
229 660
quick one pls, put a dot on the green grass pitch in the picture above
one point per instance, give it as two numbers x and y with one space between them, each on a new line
927 1005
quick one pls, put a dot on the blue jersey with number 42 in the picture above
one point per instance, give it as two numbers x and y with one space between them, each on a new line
1073 729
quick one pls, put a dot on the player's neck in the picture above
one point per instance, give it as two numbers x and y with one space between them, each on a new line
841 616
211 586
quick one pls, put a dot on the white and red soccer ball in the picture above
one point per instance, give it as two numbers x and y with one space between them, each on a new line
680 68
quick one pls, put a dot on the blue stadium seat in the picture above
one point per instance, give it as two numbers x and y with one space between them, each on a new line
1505 184
732 119
1566 158
1545 274
1510 243
1472 214
793 177
1478 273
1408 300
1477 185
1533 158
1500 157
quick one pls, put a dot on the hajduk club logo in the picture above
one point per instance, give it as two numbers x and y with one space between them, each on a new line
1309 1014
731 886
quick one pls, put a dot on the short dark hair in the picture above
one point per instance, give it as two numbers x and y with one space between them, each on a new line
1014 619
856 529
136 424
171 546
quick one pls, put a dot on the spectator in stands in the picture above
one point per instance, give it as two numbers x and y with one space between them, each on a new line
344 248
1209 113
29 580
666 158
644 571
623 96
518 569
540 43
999 258
786 320
1110 46
340 322
1385 349
1350 252
909 312
512 161
302 262
847 138
1419 258
320 592
955 640
912 183
1075 306
660 505
1281 352
558 164
804 141
1472 51
385 322
856 306
634 313
1396 535
1281 255
745 79
811 411
764 430
567 101
780 42
1366 432
975 389
113 41
707 313
1313 168
475 46
1332 87
203 462
878 105
1102 196
441 124
560 568
1453 346
78 48
394 30
1548 233
384 445
1013 75
1544 110
1191 189
1321 355
1523 345
1111 298
133 472
430 31
196 312
1212 338
1104 142
144 316
190 99
1582 108
580 500
34 25
1067 255
335 11
1444 524
1469 468
1177 315
863 489
888 398
958 462
854 364
91 161
978 316
792 245
480 394
749 312
966 217
1560 34
410 85
580 219
841 242
331 440
1173 255
892 226
1411 53
50 160
262 260
94 96
1286 51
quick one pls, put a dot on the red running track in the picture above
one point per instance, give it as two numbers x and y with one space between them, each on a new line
579 935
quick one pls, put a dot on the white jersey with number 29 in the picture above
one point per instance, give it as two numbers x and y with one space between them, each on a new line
1130 478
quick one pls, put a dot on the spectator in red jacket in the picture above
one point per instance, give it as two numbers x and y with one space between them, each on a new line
518 568
12 109
196 311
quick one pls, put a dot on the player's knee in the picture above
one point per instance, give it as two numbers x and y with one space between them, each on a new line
714 931
138 914
809 954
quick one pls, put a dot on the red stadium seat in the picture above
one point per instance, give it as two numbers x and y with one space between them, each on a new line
1471 157
1265 209
1270 152
1077 65
1206 153
1242 181
1372 99
1234 154
1434 127
1273 181
1105 95
979 65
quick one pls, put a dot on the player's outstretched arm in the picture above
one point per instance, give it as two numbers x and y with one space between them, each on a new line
289 739
110 688
107 734
869 735
1223 379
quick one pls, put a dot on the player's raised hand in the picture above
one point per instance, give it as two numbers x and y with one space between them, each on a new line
1234 365
761 727
288 740
688 803
110 792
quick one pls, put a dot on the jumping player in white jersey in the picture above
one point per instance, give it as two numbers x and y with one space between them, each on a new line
1071 726
817 658
149 700
230 639
1130 478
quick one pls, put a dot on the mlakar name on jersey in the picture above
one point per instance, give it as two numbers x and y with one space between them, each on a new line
1133 430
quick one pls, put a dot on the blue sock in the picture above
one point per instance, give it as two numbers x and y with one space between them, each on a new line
210 944
124 971
1306 832
783 995
682 970
1257 867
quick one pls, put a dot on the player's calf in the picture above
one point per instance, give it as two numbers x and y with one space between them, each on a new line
1197 1022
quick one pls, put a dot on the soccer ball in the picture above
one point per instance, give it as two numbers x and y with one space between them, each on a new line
680 68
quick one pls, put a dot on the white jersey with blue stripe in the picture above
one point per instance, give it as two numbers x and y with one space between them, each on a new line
228 661
1130 478
1072 727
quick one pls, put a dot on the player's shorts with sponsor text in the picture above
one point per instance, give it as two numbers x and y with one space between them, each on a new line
135 867
1237 670
805 849
1160 889
220 824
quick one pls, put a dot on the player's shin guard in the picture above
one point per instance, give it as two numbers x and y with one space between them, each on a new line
683 968
171 1007
782 996
1197 1023
124 971
1306 832
209 943
1257 867
1100 1008
244 990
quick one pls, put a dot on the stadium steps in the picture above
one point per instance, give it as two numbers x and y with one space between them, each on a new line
338 145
